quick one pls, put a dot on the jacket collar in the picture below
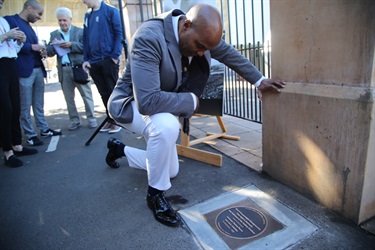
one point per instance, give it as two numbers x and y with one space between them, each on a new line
172 44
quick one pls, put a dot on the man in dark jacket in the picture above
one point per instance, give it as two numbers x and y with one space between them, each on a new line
102 48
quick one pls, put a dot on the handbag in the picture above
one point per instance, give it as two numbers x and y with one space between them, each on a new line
79 75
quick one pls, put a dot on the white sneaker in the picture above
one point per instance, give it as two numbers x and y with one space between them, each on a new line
93 124
50 132
74 125
35 141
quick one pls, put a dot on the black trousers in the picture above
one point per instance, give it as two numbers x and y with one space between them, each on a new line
105 75
10 128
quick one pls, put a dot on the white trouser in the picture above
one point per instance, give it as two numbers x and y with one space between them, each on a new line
160 158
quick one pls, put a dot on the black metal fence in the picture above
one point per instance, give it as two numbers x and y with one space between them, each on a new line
242 19
240 97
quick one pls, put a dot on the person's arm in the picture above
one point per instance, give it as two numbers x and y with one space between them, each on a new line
14 34
3 37
146 56
26 48
117 34
50 50
29 48
228 55
13 37
86 60
77 44
84 39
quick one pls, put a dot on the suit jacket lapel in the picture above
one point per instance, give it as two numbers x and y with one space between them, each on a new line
173 47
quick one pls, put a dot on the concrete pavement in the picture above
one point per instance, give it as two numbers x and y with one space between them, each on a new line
70 198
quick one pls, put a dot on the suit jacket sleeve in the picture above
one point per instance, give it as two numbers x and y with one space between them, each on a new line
228 55
50 51
149 53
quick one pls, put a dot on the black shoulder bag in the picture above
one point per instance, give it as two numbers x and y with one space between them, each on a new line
79 74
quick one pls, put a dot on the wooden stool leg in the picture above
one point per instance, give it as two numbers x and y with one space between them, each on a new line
185 149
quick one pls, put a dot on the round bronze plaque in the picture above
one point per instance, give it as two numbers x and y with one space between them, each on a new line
241 222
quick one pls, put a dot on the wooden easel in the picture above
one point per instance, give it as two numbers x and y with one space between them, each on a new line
185 149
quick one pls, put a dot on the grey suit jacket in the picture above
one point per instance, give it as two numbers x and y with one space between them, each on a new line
153 73
76 54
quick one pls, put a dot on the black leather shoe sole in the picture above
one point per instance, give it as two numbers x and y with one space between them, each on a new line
112 156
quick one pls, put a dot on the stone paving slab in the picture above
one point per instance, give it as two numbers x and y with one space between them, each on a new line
295 228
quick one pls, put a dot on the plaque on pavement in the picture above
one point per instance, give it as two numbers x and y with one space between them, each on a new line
241 223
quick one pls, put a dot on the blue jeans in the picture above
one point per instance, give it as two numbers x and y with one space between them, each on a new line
32 95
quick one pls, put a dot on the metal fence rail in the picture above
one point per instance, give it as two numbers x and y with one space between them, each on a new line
244 22
240 97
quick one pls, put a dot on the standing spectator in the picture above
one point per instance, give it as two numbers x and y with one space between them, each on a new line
69 37
102 49
11 41
31 71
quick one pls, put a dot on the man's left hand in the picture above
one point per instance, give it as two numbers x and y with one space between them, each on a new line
269 85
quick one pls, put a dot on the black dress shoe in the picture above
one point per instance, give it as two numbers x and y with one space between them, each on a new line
113 154
13 162
25 151
162 210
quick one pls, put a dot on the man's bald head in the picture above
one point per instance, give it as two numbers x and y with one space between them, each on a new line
207 18
32 3
200 30
32 11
